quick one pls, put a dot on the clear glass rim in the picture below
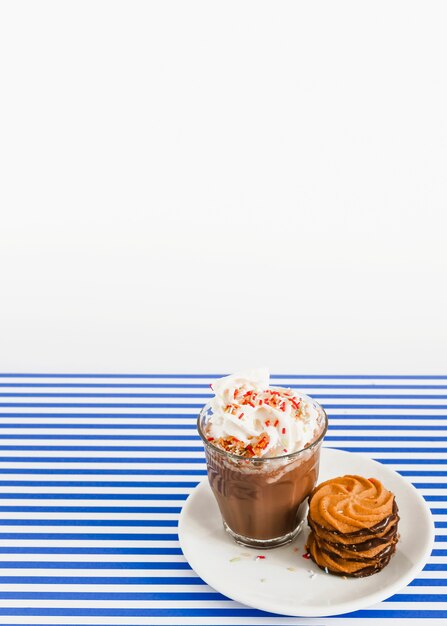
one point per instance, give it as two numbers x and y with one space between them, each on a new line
258 460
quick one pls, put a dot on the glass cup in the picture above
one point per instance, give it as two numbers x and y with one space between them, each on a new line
262 500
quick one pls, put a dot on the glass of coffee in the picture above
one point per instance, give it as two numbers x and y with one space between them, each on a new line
262 447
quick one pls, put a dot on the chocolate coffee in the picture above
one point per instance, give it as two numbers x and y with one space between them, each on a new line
262 446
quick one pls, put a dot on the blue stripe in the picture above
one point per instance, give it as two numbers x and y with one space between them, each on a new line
25 459
50 459
413 461
121 395
96 550
430 485
380 416
109 426
437 407
102 580
384 427
417 597
188 386
422 473
342 376
91 509
428 582
121 497
92 496
95 483
83 522
99 437
198 448
203 385
205 376
88 537
201 461
393 449
169 596
106 472
150 484
103 415
22 375
128 565
191 427
158 405
194 437
351 418
188 612
114 596
107 405
206 396
183 448
193 416
380 438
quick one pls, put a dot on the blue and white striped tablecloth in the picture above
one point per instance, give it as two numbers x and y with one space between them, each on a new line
94 470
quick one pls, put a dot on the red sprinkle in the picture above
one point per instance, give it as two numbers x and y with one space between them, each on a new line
267 422
276 423
285 449
210 438
306 555
283 406
283 431
241 416
260 556
260 402
235 393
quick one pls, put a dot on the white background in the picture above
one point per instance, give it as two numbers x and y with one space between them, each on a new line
204 186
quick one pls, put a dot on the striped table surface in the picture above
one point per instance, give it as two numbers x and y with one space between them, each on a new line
94 470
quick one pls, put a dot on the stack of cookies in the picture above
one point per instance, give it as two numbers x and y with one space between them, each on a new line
353 523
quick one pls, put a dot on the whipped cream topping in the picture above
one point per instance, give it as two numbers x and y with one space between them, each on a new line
250 418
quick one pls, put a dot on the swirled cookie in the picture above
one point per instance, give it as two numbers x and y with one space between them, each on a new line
350 503
353 524
356 538
343 567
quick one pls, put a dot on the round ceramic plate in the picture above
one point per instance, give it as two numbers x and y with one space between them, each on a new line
284 581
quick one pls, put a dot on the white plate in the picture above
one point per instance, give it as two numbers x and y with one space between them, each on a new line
269 585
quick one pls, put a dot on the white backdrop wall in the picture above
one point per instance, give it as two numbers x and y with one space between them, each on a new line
203 186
